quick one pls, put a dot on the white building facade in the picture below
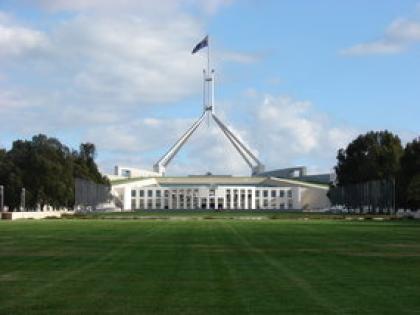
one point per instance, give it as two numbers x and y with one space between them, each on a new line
219 192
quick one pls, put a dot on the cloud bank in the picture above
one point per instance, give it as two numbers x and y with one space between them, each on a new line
398 37
108 71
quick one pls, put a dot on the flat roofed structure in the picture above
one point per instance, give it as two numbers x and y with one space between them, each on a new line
219 192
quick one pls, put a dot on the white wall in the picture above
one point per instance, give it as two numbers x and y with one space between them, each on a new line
33 215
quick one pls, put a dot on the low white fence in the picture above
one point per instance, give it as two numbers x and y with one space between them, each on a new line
33 214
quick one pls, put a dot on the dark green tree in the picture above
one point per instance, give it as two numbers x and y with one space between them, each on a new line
46 169
366 172
372 156
409 177
85 166
11 179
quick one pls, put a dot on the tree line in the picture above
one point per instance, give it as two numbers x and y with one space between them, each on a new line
47 169
380 157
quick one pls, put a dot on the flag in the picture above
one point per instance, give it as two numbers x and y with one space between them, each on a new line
202 44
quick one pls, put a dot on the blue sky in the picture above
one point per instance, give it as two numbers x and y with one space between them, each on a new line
296 80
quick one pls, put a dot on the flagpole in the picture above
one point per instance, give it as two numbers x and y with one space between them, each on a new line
208 54
209 103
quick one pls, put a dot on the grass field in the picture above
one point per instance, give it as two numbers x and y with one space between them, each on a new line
209 267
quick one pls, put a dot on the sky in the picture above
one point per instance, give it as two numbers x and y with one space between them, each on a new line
296 80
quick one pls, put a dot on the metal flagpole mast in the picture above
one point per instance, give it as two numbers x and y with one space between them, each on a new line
208 81
208 54
212 91
204 90
209 111
210 74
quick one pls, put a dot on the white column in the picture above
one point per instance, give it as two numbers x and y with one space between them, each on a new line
246 199
296 197
177 199
231 198
127 198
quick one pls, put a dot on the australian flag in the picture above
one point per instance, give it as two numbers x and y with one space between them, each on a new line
202 44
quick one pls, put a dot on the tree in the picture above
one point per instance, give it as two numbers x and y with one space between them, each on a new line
366 172
409 177
413 192
11 179
85 166
372 156
46 169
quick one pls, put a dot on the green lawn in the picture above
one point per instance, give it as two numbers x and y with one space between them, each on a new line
225 214
209 267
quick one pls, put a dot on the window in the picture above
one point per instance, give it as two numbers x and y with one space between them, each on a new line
273 193
281 193
219 203
289 193
150 193
257 193
273 204
133 204
133 193
166 193
141 206
141 193
265 192
158 193
290 206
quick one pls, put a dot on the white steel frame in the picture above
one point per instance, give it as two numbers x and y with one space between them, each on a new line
208 111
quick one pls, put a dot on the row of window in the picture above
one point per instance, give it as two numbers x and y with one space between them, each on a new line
264 193
196 203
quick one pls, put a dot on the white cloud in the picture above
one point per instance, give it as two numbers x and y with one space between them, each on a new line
16 41
141 143
122 59
288 131
99 76
112 6
398 37
212 6
280 130
373 48
404 30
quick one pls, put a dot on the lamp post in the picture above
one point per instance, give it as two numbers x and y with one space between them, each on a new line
22 199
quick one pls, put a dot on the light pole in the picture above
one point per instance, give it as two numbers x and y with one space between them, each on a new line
22 199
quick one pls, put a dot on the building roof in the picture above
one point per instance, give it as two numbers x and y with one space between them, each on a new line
221 180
